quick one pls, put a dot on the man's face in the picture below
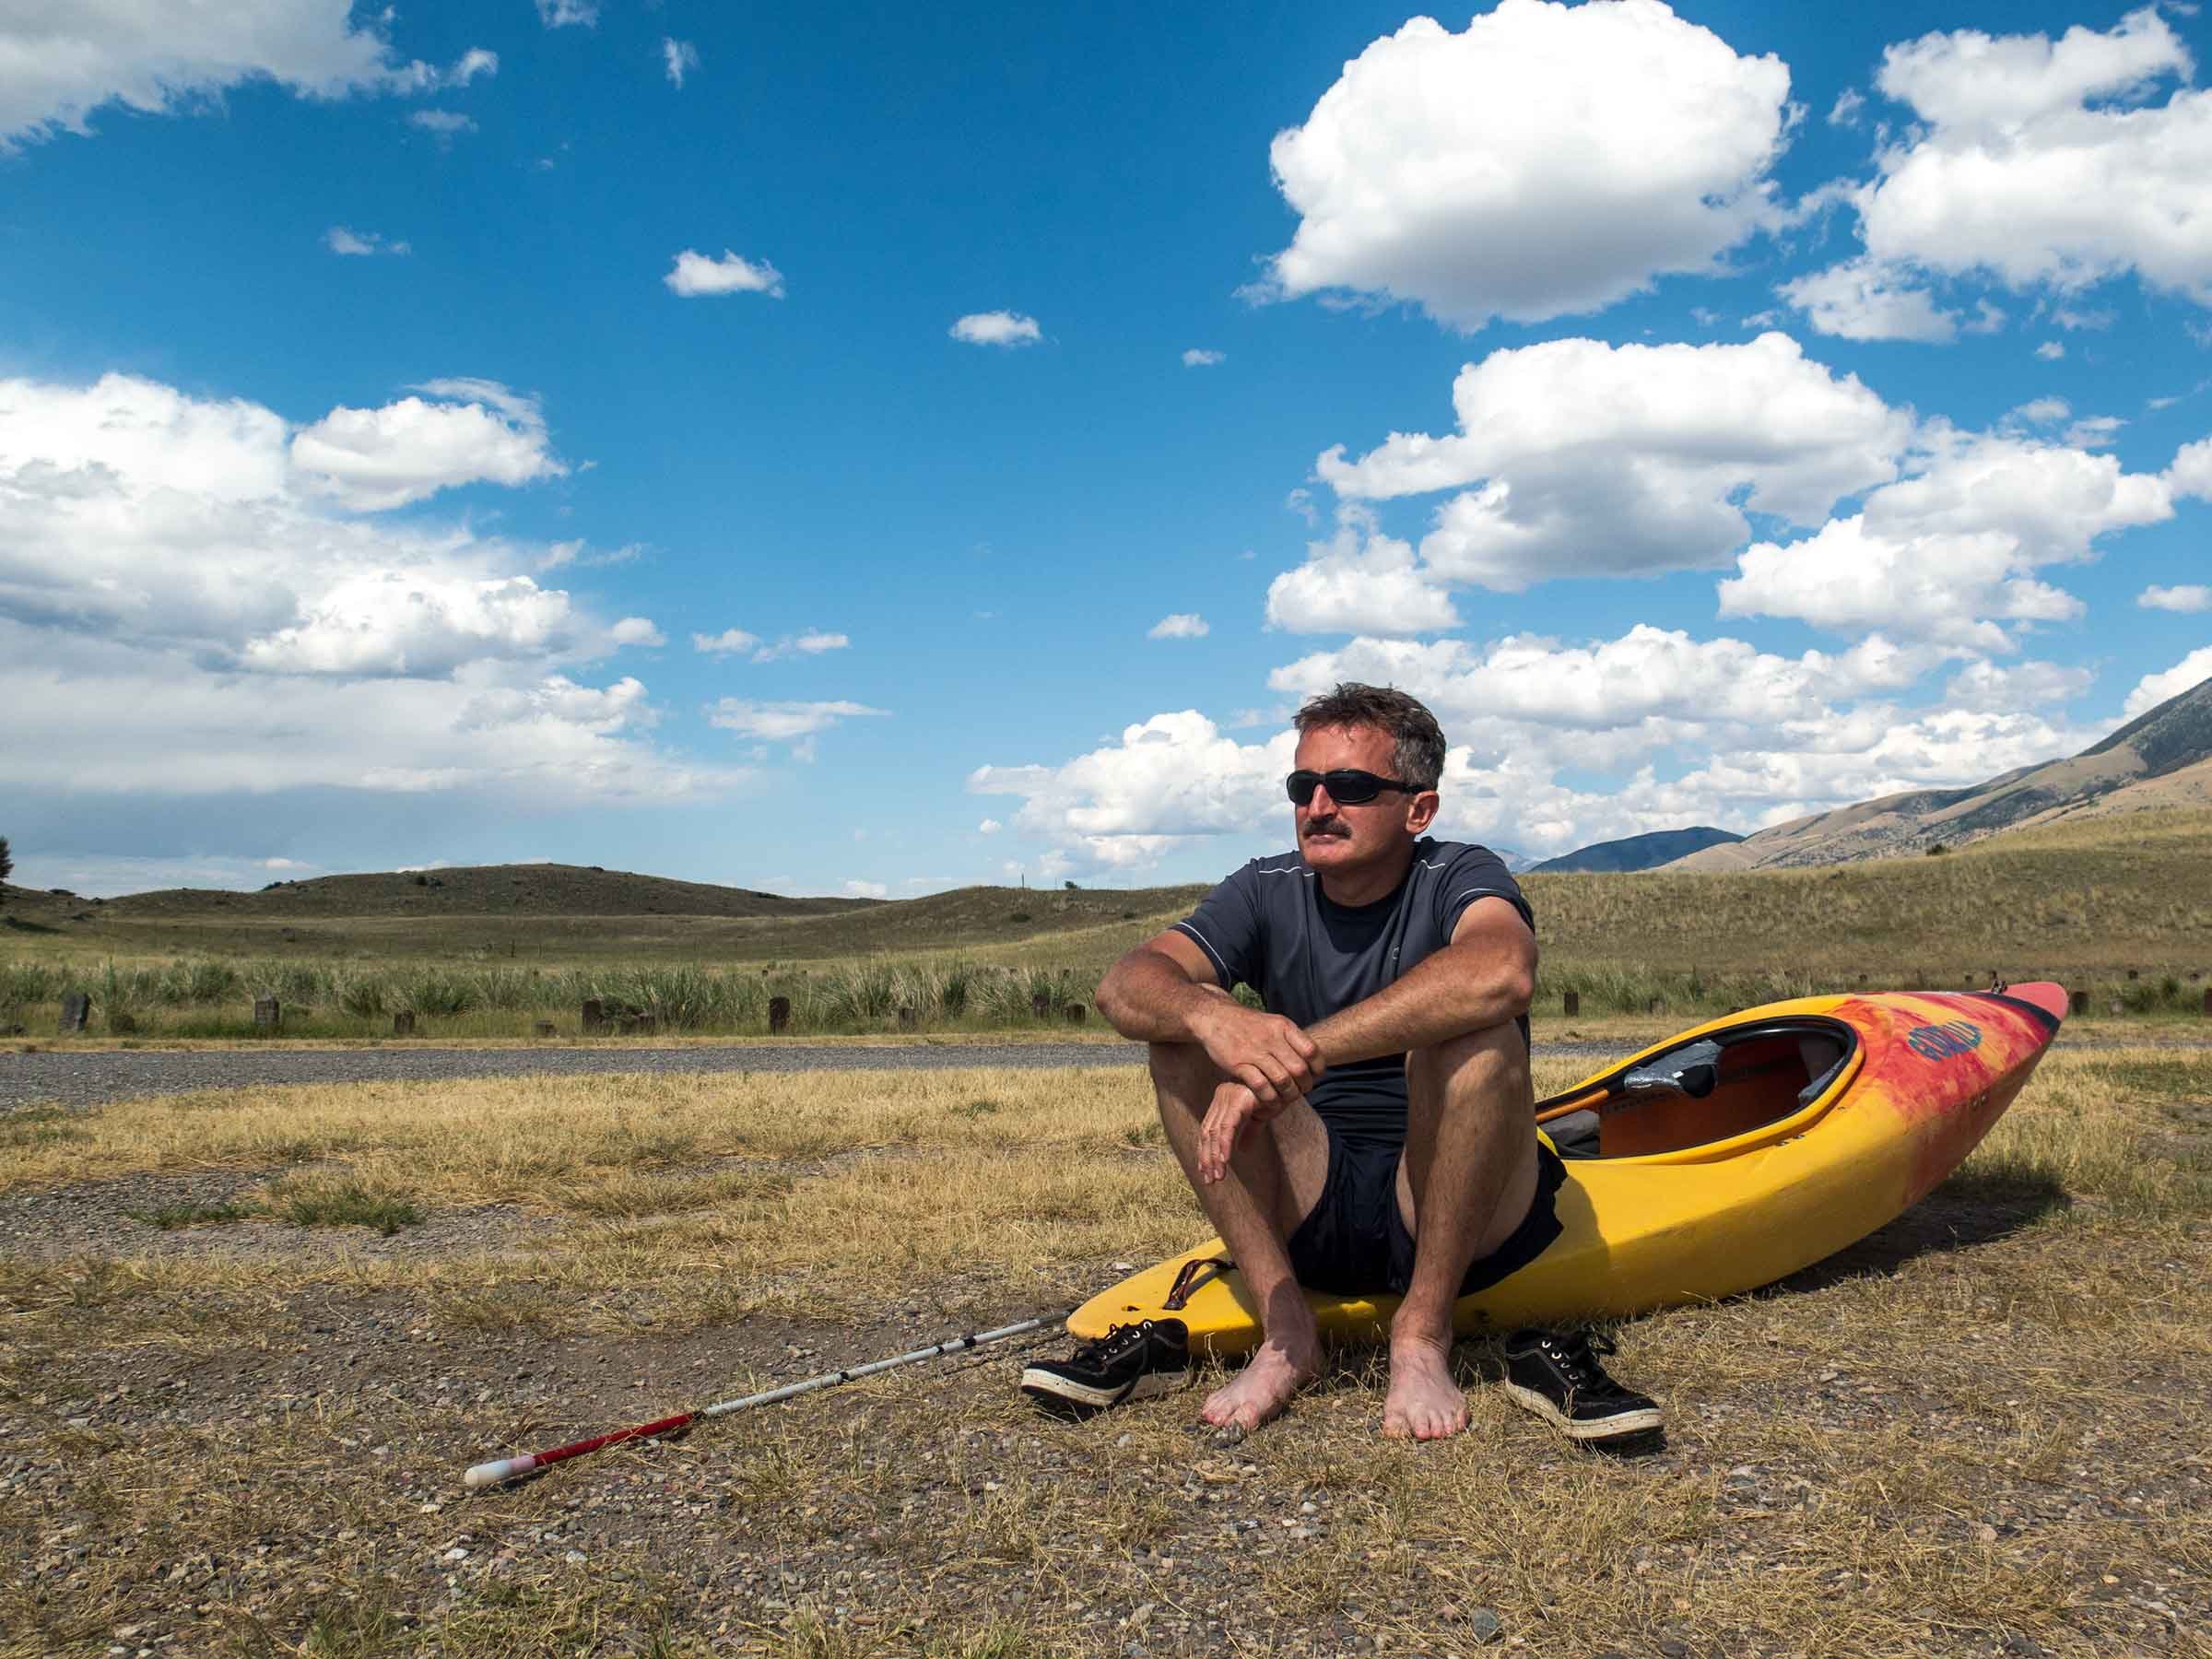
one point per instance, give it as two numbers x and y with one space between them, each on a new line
1337 837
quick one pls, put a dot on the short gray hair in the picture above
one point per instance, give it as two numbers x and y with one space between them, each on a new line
1419 741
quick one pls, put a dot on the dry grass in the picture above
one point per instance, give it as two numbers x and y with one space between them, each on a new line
1979 1433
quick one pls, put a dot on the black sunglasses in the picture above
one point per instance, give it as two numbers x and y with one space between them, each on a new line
1345 788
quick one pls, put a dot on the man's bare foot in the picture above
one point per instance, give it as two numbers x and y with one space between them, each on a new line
1424 1402
1264 1386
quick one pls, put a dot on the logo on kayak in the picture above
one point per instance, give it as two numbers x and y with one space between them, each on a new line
1942 1041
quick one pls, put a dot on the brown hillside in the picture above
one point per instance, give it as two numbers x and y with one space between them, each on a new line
2162 758
540 889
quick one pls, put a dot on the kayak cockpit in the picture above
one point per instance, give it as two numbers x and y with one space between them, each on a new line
1710 1095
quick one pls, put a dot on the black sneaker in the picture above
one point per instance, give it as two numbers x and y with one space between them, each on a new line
1130 1362
1559 1378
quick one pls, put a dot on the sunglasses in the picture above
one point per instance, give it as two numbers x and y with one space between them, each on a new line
1345 788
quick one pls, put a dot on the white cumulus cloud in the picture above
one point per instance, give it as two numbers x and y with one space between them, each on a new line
465 431
1600 460
2191 474
856 889
1760 738
695 275
568 13
1172 776
2189 598
1199 357
1860 299
194 617
2154 688
997 328
1949 553
1360 581
677 58
1179 625
2044 163
1548 160
61 62
2023 686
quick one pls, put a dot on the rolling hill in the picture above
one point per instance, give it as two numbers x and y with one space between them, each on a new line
2161 760
543 890
1640 851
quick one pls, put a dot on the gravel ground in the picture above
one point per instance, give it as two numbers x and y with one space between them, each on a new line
93 1077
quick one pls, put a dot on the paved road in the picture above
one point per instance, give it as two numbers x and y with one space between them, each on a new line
91 1077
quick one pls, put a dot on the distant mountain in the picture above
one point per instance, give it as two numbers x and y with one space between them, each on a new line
1639 851
1515 860
2160 758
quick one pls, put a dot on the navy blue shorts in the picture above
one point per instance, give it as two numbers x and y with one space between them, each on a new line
1355 1242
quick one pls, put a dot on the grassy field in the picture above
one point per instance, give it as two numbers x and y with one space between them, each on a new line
2116 907
257 1336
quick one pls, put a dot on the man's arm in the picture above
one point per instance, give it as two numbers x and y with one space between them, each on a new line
1484 977
1165 991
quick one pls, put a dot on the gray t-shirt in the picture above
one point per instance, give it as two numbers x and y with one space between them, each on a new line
1270 926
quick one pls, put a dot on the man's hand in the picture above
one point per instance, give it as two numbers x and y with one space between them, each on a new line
1235 1113
1270 1055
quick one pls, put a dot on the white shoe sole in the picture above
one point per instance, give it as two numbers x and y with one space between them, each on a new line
1590 1428
1045 1384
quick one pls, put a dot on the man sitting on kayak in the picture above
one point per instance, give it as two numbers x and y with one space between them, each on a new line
1374 1130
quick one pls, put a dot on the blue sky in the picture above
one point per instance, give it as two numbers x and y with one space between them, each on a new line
918 447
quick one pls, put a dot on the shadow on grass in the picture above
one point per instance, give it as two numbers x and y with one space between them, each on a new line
1975 1206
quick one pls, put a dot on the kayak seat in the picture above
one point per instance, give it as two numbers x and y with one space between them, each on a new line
1712 1089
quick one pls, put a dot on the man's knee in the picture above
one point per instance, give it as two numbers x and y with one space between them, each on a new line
1492 1062
1183 1071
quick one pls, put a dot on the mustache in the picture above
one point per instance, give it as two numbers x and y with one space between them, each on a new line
1327 829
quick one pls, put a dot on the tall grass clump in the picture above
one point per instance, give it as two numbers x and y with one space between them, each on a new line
439 992
23 983
685 996
365 995
194 980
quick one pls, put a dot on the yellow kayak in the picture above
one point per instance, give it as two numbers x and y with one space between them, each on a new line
1724 1158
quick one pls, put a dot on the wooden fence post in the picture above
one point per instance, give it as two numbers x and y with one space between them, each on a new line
1040 1005
1572 1003
77 1009
779 1014
593 1019
1074 1013
268 1015
2081 1002
402 1023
